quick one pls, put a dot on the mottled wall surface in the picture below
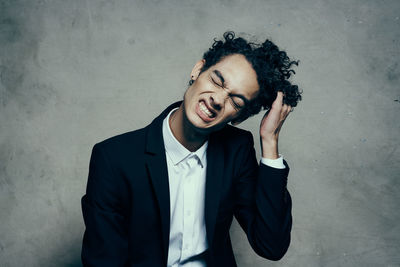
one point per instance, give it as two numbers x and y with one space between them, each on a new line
73 73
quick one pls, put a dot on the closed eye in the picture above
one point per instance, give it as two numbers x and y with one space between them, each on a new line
235 101
216 83
238 101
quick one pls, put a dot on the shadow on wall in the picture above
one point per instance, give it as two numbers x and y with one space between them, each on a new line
68 256
72 262
77 263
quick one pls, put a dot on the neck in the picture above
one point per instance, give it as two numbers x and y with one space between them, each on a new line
184 132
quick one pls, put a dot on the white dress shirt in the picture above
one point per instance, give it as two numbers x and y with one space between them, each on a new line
187 181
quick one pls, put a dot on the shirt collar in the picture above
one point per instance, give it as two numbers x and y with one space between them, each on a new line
175 150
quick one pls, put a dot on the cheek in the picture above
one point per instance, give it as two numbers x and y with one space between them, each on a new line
229 113
195 90
202 85
229 109
189 93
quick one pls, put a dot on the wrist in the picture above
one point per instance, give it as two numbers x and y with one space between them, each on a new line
269 149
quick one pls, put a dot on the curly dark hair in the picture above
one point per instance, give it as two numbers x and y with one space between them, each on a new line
272 66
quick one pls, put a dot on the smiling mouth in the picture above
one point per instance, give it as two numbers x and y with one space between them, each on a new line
206 110
205 113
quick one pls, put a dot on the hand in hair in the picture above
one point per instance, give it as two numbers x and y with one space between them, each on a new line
271 125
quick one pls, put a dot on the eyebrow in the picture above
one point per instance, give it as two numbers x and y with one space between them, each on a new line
219 75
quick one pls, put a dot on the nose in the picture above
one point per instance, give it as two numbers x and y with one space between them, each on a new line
218 98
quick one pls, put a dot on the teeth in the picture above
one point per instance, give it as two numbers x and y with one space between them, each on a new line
205 109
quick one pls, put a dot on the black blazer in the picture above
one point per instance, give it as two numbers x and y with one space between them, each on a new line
126 207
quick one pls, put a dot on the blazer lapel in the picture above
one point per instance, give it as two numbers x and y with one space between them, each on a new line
156 165
214 173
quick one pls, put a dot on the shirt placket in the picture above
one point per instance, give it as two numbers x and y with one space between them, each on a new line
188 205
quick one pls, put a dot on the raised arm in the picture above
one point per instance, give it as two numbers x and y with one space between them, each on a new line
263 203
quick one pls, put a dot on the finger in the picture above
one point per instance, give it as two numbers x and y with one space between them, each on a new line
285 110
278 100
291 109
278 129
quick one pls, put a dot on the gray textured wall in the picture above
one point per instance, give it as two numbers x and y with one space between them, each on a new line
75 72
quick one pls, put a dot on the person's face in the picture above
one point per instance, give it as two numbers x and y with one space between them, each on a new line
219 93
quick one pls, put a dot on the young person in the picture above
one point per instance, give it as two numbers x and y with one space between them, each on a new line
165 195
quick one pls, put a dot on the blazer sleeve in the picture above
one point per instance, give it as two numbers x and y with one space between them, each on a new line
105 238
263 204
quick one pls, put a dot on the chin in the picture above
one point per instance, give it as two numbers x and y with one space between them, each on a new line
205 128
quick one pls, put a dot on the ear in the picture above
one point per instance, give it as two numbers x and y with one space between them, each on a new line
197 69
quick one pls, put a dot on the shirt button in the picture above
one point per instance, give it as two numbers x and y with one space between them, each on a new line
188 213
186 247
